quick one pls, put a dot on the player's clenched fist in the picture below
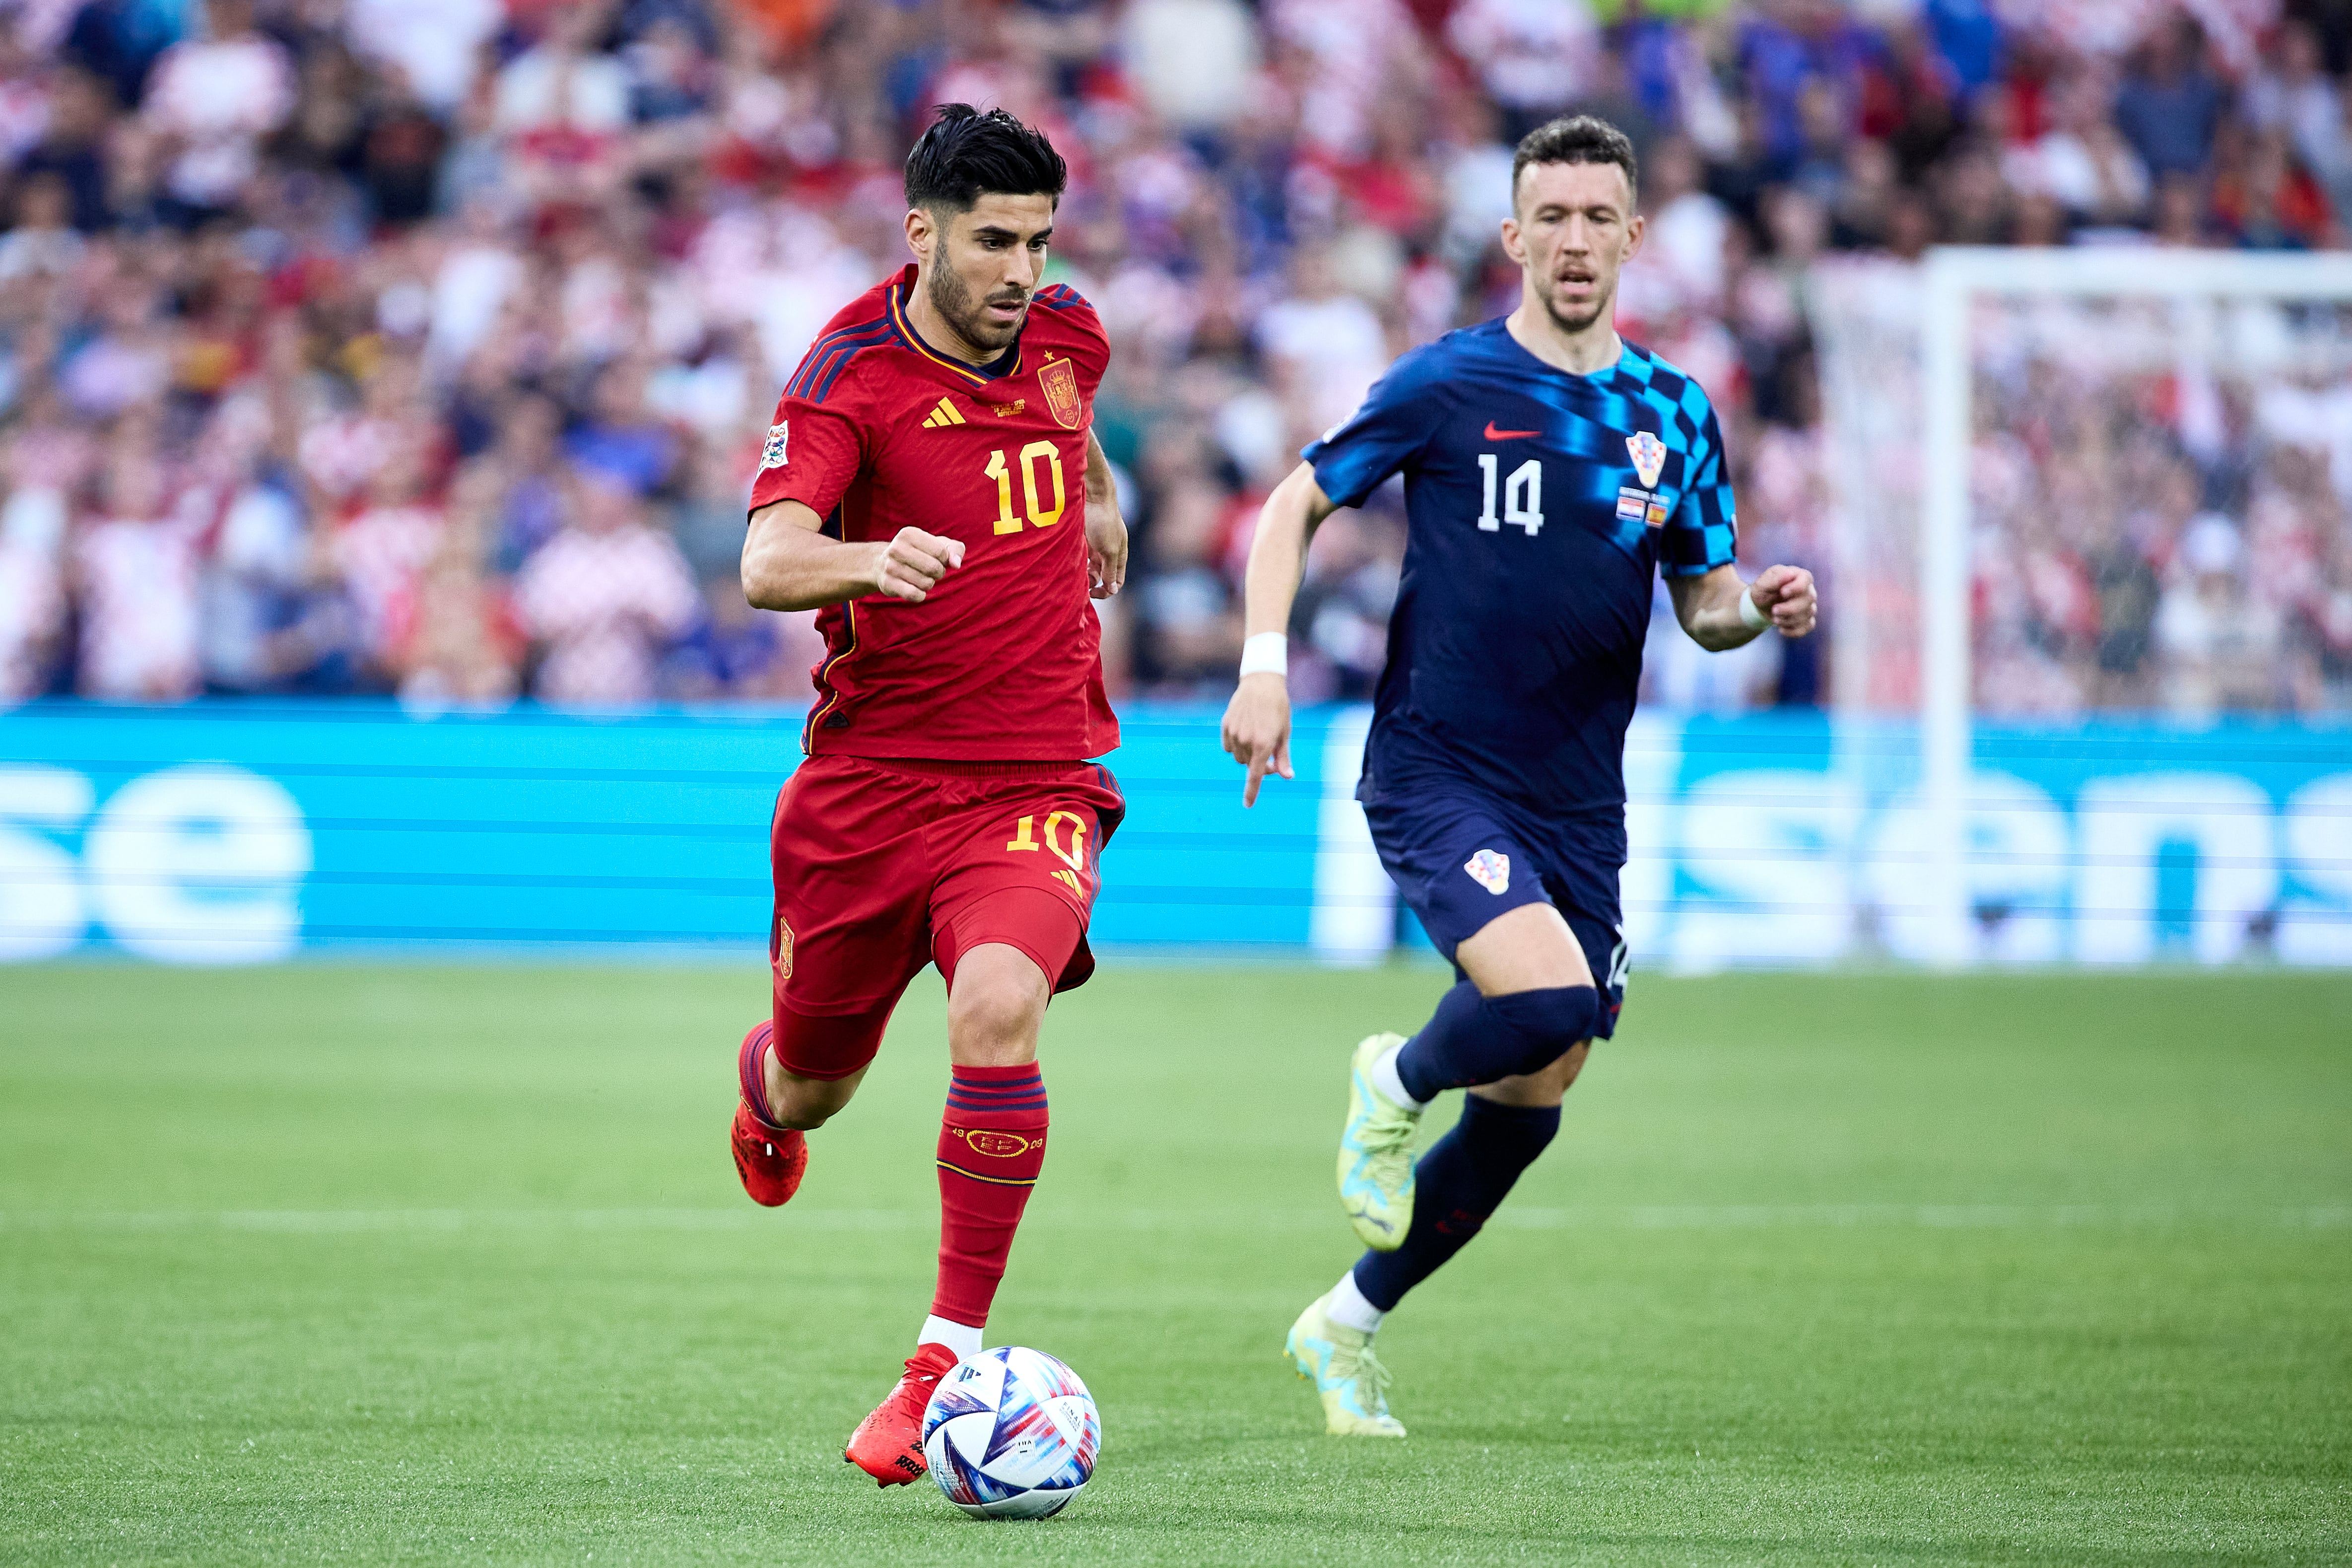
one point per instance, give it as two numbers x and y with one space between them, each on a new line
1785 594
912 563
1258 729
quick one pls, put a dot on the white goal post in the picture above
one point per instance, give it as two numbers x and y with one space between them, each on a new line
1953 279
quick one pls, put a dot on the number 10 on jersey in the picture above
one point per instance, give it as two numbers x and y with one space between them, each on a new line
1522 495
1002 472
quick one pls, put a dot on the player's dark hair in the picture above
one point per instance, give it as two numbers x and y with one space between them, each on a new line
1578 139
964 153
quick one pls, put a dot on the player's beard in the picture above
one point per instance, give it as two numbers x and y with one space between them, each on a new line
960 308
1601 306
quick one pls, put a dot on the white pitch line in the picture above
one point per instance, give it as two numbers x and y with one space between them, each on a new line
1649 1216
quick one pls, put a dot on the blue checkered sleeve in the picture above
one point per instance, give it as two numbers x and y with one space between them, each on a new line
1385 433
1702 533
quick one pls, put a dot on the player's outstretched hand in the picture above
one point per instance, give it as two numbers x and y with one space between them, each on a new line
912 563
1786 594
1105 547
1258 729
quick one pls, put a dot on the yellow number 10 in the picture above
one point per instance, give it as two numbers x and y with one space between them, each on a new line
1002 472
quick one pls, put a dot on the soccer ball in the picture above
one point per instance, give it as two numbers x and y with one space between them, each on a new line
1011 1433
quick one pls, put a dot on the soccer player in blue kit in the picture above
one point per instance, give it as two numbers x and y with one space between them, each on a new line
1549 466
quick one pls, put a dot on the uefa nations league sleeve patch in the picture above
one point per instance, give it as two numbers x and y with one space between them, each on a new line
772 450
1490 871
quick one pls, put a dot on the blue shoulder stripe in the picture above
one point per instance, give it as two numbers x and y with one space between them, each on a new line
1058 297
837 335
829 352
844 355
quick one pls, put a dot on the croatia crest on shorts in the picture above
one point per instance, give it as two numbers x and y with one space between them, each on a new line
1490 871
1058 379
1649 456
772 450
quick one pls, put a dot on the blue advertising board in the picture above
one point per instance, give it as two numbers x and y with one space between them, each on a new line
247 832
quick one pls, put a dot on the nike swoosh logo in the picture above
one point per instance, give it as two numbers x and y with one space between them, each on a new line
1495 434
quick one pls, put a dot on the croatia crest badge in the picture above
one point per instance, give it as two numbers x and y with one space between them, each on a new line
1490 871
1649 457
772 450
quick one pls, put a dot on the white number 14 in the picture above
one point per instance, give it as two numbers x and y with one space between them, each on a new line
1522 495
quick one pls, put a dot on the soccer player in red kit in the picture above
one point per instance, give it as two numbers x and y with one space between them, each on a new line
932 484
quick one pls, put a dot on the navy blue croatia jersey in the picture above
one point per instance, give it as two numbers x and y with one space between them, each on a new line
1539 504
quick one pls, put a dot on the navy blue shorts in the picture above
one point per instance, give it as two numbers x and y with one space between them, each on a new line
1459 860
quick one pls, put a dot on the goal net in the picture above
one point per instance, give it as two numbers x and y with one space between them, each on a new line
2091 600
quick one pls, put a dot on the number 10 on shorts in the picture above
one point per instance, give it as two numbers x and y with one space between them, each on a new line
1026 835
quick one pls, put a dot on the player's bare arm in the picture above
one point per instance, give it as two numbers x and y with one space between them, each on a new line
1708 606
790 565
1106 530
1258 719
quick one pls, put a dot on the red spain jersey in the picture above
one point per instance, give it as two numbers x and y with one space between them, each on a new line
879 431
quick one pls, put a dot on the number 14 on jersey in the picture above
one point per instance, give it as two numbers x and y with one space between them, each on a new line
1522 495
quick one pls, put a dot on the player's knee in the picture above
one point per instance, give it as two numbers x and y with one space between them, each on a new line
992 1017
1544 1026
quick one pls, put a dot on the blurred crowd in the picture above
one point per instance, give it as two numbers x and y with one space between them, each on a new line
424 346
2160 536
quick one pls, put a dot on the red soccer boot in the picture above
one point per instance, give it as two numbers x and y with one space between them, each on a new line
888 1444
770 1159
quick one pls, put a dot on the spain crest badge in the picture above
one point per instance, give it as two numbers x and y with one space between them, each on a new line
1058 379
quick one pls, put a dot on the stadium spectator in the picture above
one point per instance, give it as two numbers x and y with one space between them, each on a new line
1324 346
71 146
382 549
434 44
2221 643
254 579
2169 104
42 239
211 101
603 598
32 590
1535 58
620 437
2081 162
136 565
564 85
453 640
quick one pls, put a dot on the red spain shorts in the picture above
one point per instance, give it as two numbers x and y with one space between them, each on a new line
882 866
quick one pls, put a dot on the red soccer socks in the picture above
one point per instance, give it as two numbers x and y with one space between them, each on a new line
888 1444
991 1144
770 1159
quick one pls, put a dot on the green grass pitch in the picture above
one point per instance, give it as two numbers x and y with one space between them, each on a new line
418 1265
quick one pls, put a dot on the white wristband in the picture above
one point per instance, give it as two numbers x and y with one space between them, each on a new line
1267 653
1750 616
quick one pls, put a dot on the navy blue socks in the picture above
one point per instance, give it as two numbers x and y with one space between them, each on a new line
1462 1179
1473 1039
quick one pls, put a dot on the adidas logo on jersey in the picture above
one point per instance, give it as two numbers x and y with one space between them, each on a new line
945 415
